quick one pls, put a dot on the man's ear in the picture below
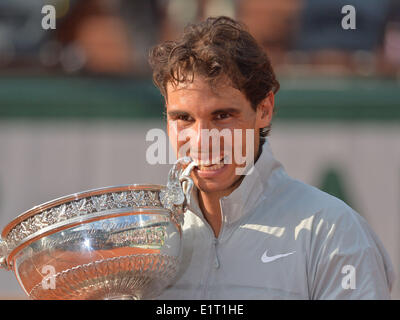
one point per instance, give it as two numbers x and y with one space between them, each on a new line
265 110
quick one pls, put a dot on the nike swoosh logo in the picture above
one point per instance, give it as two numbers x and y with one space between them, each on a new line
266 259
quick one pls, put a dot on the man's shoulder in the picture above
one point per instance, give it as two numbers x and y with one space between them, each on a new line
317 217
307 212
336 236
298 200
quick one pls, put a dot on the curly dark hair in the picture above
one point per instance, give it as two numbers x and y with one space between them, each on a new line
217 47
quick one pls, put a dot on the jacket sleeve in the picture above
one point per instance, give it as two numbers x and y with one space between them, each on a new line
347 261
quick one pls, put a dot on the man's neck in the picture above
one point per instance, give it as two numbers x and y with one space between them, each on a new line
210 206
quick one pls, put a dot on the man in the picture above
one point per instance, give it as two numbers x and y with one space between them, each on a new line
259 234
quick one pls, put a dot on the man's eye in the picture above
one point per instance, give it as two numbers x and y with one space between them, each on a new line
184 118
222 116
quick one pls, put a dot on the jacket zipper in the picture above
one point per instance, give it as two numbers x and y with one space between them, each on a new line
213 253
213 256
216 259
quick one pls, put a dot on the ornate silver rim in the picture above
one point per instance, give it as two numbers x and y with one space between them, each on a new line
71 211
60 212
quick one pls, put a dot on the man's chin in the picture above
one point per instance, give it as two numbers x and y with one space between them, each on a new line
222 187
207 188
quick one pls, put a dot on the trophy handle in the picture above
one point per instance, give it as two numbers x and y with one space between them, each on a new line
176 197
3 255
187 182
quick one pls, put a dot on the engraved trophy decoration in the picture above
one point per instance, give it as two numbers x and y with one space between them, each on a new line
120 242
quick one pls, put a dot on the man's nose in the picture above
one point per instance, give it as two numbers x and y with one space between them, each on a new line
197 135
202 143
201 133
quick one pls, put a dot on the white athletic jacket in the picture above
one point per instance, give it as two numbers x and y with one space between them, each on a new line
280 239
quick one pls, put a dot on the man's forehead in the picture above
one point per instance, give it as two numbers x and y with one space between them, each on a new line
196 84
218 89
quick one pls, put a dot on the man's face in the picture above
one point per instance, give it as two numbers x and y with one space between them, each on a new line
195 113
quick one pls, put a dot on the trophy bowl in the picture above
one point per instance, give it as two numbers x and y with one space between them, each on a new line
120 242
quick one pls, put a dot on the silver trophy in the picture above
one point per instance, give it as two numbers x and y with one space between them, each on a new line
120 242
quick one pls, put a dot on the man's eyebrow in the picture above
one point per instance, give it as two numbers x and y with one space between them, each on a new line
231 110
226 110
175 113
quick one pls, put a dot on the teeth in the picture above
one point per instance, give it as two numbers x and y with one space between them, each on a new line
210 163
211 168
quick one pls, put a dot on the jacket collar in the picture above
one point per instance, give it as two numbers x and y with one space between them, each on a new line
253 189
